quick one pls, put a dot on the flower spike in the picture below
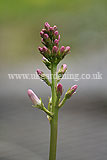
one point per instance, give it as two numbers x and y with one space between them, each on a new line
52 54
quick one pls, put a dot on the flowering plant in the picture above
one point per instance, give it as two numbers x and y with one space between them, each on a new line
52 55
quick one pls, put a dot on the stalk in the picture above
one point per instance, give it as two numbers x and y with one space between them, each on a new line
54 121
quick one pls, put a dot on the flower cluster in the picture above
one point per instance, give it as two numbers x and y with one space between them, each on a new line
52 55
51 50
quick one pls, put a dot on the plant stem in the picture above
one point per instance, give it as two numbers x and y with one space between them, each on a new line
54 121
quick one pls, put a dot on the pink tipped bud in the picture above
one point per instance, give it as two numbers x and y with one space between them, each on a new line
46 62
56 33
59 89
59 37
39 72
55 28
43 30
35 100
44 59
41 33
56 41
43 77
54 49
64 68
71 91
42 40
44 49
74 88
67 49
51 28
45 36
47 26
40 49
62 49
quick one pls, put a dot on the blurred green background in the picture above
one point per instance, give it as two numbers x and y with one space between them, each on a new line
82 24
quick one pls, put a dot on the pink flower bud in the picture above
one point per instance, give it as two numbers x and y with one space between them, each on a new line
42 40
44 49
41 33
40 49
55 27
56 33
47 26
59 37
45 36
43 30
67 49
56 41
74 88
62 49
35 100
39 72
51 28
71 91
59 89
64 68
54 49
44 59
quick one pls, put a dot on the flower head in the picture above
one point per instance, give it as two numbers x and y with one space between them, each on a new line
50 39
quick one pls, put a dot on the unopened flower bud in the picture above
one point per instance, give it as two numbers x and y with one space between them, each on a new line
59 89
59 37
61 71
56 33
40 49
62 49
67 49
43 77
56 41
70 91
46 62
35 100
43 30
55 27
47 26
51 28
39 72
54 49
44 49
45 36
41 33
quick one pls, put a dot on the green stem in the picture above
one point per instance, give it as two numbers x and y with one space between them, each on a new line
62 102
48 112
54 120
